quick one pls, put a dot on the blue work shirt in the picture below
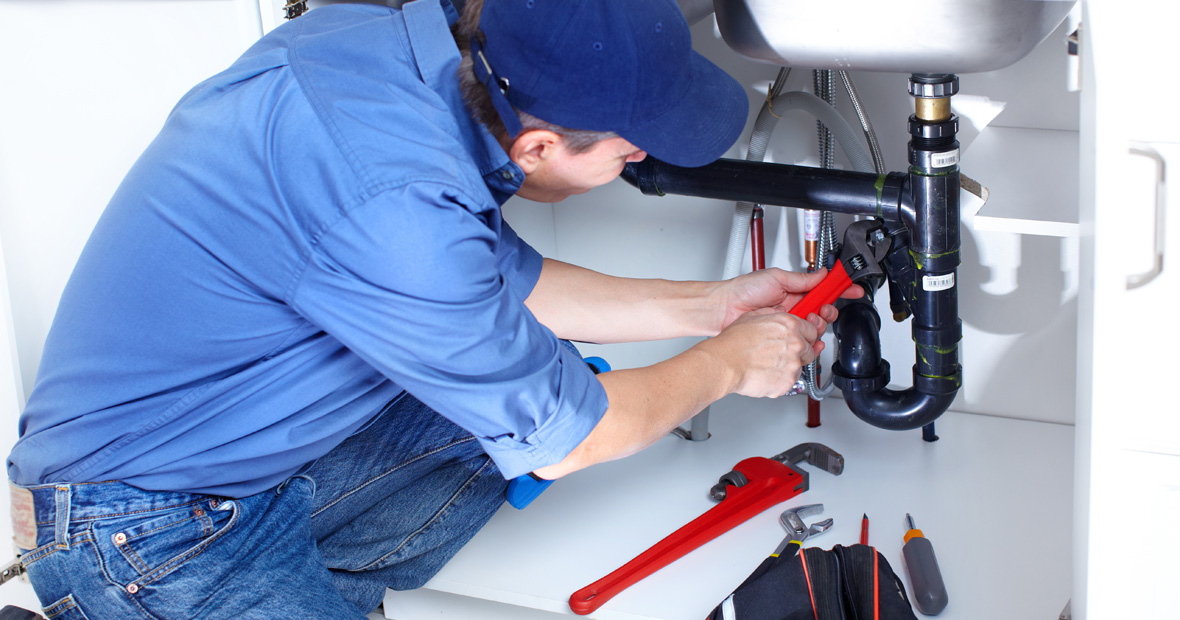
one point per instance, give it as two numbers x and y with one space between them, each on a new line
314 230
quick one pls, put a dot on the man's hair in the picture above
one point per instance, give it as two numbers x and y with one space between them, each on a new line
479 101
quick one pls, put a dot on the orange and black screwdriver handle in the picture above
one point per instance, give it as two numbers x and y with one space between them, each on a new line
859 263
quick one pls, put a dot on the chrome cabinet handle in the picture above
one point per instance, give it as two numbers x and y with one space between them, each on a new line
1140 279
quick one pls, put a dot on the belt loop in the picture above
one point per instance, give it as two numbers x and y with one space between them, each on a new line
61 526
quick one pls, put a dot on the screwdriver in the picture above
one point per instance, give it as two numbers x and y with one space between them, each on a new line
925 578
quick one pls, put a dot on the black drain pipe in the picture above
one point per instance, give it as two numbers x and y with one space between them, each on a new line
780 185
921 207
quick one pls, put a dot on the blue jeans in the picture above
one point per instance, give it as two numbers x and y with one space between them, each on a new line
386 508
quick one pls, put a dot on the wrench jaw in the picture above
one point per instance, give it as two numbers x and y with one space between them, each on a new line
815 454
865 246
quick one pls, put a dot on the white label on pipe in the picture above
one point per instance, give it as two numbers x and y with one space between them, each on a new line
942 160
811 224
938 283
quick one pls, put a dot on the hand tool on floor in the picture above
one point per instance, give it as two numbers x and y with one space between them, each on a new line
929 592
797 530
797 582
754 485
865 246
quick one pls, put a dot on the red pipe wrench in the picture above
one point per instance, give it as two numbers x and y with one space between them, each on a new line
865 246
754 485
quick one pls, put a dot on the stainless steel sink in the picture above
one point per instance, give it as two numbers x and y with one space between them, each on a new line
916 36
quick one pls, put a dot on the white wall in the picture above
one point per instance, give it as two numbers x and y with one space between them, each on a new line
95 81
11 400
1017 292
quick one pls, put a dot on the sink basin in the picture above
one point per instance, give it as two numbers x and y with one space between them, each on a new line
917 36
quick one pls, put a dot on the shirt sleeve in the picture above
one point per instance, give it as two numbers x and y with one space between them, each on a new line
431 294
518 261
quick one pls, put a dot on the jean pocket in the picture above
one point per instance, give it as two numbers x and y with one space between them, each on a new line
155 544
65 609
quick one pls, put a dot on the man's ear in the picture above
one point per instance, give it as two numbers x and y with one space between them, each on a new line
532 147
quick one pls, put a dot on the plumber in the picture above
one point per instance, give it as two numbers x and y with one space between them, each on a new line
301 353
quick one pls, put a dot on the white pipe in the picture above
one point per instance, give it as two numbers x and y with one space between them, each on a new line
848 138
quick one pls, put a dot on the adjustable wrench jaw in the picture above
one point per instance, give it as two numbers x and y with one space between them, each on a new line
756 468
815 454
865 247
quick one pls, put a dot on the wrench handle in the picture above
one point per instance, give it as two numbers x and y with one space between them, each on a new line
770 483
734 509
827 291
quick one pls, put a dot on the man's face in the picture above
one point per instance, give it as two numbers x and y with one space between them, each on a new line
554 173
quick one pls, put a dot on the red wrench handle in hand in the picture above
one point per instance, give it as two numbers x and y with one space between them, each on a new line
770 483
865 246
827 291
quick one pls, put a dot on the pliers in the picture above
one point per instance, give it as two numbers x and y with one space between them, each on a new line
797 531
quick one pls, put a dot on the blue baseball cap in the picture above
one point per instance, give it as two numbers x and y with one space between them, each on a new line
625 66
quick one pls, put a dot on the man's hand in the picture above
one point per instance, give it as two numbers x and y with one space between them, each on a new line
765 350
757 347
760 354
772 289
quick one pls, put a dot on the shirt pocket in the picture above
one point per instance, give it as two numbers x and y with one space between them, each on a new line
145 547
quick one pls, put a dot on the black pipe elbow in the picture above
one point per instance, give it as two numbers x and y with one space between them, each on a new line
856 332
898 410
863 376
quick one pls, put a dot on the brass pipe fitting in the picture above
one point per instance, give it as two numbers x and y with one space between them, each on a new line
932 109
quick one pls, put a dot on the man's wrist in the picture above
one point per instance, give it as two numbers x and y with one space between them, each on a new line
713 307
715 368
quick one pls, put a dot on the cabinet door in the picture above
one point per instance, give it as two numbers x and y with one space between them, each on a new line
1150 417
1135 419
1128 433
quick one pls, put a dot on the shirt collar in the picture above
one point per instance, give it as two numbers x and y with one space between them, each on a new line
504 181
428 24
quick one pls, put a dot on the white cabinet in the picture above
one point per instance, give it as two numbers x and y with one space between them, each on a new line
1127 493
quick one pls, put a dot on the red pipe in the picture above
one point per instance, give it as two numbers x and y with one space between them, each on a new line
757 248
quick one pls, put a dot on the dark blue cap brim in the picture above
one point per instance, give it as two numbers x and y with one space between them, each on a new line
702 125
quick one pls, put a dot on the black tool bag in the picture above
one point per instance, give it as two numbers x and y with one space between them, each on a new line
846 583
